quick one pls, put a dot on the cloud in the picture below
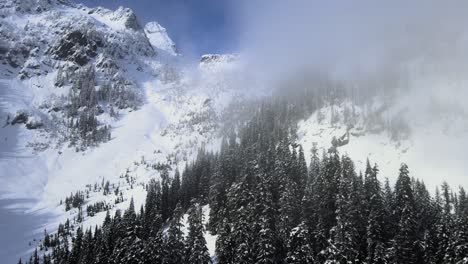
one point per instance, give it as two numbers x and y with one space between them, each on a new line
361 42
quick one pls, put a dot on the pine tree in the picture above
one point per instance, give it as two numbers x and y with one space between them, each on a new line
174 243
129 217
75 255
35 259
445 225
426 219
217 195
225 244
299 246
266 242
344 246
457 248
102 251
174 190
129 248
87 254
375 222
303 172
155 251
290 208
196 250
165 192
152 220
403 192
243 239
314 165
331 174
459 242
240 200
135 253
405 238
311 198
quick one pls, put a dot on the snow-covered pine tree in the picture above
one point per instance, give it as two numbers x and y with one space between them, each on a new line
302 171
290 209
174 190
102 251
344 245
196 250
240 199
225 244
299 246
405 238
375 223
457 251
75 255
266 240
155 250
175 243
165 192
426 220
217 192
88 248
445 226
152 220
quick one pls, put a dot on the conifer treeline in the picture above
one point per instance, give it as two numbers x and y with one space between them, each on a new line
268 206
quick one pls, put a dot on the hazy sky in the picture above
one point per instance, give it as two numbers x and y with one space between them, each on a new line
362 39
197 27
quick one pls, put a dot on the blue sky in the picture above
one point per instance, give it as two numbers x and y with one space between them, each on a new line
196 26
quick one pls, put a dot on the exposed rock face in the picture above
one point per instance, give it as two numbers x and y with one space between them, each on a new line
159 39
28 6
86 67
129 18
20 118
78 62
33 124
77 47
71 33
216 58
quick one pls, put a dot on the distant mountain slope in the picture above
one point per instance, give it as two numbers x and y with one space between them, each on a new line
90 92
89 95
392 134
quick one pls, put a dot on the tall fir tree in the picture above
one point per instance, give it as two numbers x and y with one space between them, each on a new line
376 214
299 246
405 238
266 247
196 250
175 243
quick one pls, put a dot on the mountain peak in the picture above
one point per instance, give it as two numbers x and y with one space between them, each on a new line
215 62
29 6
159 39
213 58
128 17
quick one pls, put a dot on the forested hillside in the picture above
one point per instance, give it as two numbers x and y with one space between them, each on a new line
314 141
268 206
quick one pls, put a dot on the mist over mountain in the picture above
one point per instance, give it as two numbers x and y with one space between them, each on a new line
336 134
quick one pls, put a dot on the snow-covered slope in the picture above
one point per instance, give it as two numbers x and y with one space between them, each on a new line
170 105
57 57
393 133
159 110
159 39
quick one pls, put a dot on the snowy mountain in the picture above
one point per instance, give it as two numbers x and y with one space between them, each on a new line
95 106
89 95
132 73
392 134
159 39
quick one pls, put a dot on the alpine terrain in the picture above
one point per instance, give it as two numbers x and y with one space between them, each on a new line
116 148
